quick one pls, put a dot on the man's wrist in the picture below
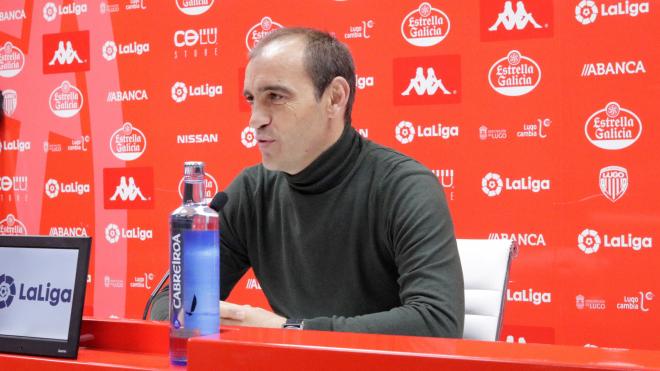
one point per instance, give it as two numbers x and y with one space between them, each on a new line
294 324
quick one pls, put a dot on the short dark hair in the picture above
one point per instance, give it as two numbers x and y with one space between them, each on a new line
324 59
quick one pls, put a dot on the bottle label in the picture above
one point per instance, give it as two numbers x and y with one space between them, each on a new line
195 273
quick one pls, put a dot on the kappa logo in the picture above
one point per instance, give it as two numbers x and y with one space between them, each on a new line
589 241
180 91
194 7
492 184
128 143
613 127
66 52
405 131
249 137
9 102
128 188
259 31
12 60
514 75
51 11
66 100
427 80
425 26
613 182
10 226
500 20
518 19
586 11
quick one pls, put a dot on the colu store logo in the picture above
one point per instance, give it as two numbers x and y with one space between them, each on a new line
529 296
492 184
425 26
405 131
590 241
202 36
613 127
587 11
36 293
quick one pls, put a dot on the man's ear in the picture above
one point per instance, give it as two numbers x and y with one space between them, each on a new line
338 92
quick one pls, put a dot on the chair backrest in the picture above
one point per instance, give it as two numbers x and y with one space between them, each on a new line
485 274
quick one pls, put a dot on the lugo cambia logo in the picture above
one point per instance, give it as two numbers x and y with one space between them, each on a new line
39 292
613 127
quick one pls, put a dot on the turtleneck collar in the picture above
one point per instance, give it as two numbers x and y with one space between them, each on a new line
330 168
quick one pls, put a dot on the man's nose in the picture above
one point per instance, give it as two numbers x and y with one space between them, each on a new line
259 117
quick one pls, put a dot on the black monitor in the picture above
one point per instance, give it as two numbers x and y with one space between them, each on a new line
42 290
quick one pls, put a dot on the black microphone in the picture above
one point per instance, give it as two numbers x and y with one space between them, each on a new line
217 203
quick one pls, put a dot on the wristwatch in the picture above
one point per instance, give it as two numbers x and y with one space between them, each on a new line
295 324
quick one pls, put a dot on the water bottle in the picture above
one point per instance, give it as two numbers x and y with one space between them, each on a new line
194 266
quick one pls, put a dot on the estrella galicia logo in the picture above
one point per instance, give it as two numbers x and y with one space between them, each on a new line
7 291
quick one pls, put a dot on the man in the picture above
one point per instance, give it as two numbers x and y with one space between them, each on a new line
343 234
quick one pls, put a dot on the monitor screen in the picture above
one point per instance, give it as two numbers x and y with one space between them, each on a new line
42 287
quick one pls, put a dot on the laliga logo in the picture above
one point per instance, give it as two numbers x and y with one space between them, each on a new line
12 60
589 241
405 132
613 127
52 188
66 100
128 142
50 10
514 75
586 11
109 50
179 92
249 137
194 7
425 26
112 233
613 182
259 31
7 291
492 184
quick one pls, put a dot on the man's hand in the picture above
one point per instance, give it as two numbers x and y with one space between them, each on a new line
244 315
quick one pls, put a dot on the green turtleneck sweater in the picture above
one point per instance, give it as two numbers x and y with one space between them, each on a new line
361 240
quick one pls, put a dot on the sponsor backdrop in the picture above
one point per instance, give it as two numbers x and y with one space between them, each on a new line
537 116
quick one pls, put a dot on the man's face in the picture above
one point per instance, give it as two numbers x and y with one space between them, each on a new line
292 125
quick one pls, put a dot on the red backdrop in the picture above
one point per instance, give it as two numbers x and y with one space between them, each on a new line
540 123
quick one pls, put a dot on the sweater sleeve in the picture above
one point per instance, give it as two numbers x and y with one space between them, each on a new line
420 234
234 219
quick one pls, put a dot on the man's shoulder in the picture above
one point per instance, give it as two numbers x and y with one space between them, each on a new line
390 162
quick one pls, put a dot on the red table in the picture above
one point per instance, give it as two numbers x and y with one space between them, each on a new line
143 345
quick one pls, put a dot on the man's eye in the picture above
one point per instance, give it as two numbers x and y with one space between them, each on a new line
249 100
275 97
